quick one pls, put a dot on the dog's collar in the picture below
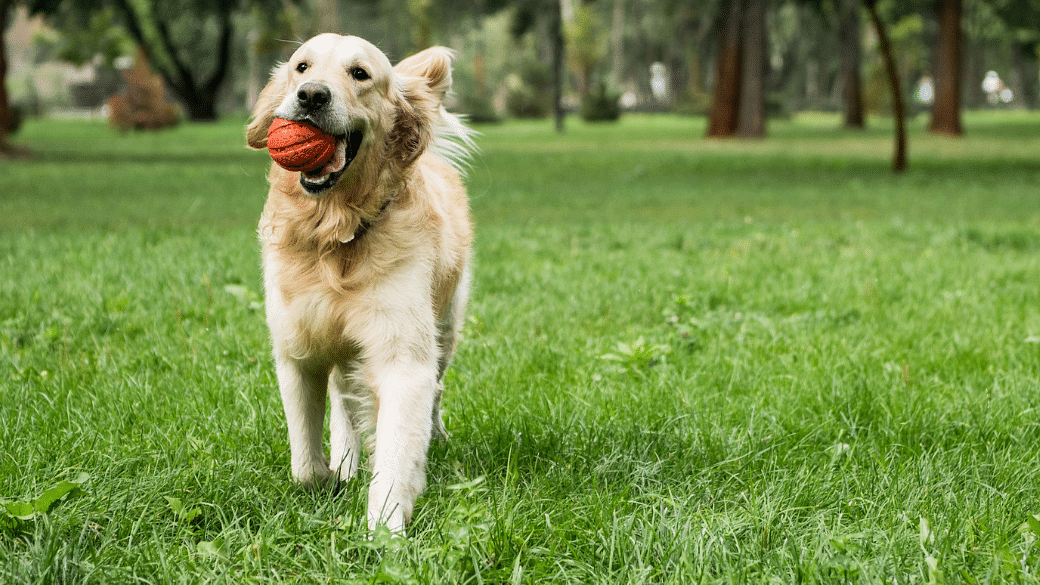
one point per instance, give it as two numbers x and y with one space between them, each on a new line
366 224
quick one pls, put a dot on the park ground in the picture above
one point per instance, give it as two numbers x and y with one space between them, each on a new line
685 361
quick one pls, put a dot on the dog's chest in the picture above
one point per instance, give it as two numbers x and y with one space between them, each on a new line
315 318
324 324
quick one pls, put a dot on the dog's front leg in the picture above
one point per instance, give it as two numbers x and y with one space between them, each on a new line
303 398
404 389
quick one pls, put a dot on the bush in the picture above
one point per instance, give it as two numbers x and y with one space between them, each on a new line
601 105
17 117
692 104
478 110
530 94
777 107
523 102
143 105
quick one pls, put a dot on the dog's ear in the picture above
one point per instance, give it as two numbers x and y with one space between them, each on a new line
266 103
423 79
433 65
412 132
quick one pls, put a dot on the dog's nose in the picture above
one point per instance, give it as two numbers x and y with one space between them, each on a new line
313 96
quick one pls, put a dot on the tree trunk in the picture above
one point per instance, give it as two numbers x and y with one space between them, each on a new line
201 106
851 57
946 70
899 158
722 121
1024 76
683 67
617 44
556 33
198 98
5 106
751 108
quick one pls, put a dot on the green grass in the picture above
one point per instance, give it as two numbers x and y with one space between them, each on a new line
685 361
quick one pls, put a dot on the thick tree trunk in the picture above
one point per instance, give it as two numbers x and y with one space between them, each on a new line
5 101
946 70
899 157
751 107
851 57
198 98
722 121
201 106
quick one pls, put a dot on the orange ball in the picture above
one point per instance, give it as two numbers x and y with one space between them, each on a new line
299 146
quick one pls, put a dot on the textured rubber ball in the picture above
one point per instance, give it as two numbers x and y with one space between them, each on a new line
299 146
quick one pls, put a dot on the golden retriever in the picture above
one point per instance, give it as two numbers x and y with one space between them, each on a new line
365 262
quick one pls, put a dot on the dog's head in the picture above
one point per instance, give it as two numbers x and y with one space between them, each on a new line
380 115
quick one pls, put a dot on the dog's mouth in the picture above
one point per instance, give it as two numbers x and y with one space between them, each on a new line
323 179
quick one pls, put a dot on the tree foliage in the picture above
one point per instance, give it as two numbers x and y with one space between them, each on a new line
814 50
189 42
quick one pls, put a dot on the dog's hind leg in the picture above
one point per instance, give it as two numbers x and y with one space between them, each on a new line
448 327
346 445
440 433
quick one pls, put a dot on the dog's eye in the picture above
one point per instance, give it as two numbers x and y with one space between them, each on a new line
359 74
301 67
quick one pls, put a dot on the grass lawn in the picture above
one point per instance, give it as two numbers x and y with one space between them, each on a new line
685 361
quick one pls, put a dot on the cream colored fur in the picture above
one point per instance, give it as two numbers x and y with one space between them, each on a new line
366 282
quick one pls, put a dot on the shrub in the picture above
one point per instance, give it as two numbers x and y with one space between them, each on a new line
14 121
478 110
601 105
143 105
530 92
694 103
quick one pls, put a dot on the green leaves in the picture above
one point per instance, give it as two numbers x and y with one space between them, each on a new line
1032 523
13 514
637 356
183 514
21 510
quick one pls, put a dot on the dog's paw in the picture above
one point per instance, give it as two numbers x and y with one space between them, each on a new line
392 522
346 468
316 477
439 432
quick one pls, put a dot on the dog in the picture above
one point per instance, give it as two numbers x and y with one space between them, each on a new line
365 263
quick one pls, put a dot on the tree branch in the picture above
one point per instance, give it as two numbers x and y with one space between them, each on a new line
133 24
183 72
899 158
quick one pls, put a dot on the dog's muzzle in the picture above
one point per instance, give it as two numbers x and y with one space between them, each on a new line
347 146
312 104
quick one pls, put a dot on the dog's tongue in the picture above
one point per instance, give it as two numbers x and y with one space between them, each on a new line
335 164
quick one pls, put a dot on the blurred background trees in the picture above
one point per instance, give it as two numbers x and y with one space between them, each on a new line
739 62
